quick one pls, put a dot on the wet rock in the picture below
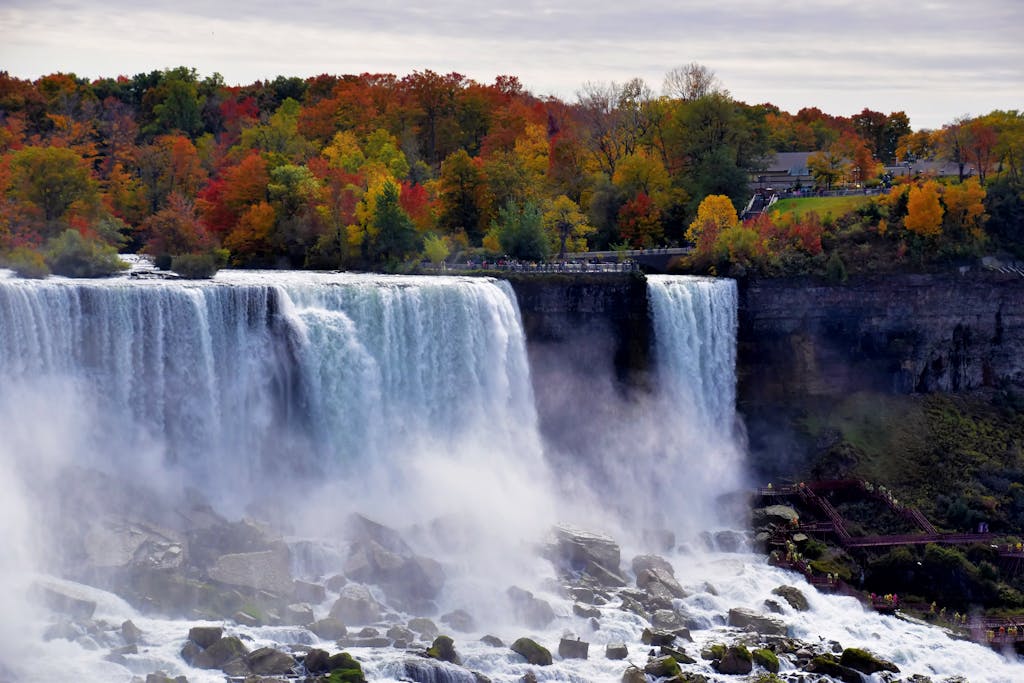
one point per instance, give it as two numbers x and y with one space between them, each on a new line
796 599
459 620
657 638
317 661
585 611
220 653
642 563
245 619
865 662
662 667
746 619
313 593
330 628
828 665
162 677
657 576
336 582
633 675
667 620
365 641
493 641
401 633
266 661
782 514
425 627
530 610
130 633
767 659
205 636
265 570
676 654
423 670
189 651
736 660
616 651
595 554
351 670
380 556
773 607
65 600
573 648
356 605
298 614
532 651
729 541
443 648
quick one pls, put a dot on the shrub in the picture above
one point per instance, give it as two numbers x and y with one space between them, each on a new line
202 266
27 263
72 255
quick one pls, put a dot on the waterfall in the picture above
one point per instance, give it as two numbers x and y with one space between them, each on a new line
256 376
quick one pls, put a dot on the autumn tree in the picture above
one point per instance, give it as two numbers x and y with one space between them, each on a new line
964 209
640 222
392 235
462 195
924 211
715 214
51 179
566 226
691 82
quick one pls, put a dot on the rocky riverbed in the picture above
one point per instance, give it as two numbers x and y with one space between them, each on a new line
205 598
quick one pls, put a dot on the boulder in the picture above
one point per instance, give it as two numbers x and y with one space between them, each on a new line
793 596
530 610
657 638
246 619
355 605
642 563
658 576
265 570
729 541
595 554
162 677
317 661
828 666
220 653
266 661
459 620
443 649
767 659
865 662
130 633
783 514
336 582
493 641
662 667
380 556
736 661
752 621
205 636
189 651
585 611
351 671
633 675
330 628
298 614
573 648
676 654
667 620
425 627
214 537
532 651
313 593
400 633
616 651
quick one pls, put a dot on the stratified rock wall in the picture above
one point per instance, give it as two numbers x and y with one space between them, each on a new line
896 334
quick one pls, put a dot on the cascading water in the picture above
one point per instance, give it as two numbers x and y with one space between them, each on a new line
407 399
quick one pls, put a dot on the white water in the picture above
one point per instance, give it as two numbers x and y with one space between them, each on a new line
405 398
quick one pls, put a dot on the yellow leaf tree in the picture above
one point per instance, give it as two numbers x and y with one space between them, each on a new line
965 208
715 214
924 212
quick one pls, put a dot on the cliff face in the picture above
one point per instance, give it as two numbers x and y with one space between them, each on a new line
892 334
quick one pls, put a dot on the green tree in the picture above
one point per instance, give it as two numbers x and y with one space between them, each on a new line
392 233
461 193
435 248
520 231
566 225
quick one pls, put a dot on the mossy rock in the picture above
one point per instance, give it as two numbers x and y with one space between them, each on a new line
736 660
663 667
865 662
345 668
220 652
535 654
443 648
829 666
766 658
716 651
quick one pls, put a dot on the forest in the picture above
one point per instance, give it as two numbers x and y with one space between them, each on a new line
377 171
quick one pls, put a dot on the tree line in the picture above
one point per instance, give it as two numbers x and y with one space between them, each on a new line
374 170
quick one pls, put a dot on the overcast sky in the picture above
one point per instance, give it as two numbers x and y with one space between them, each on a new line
934 60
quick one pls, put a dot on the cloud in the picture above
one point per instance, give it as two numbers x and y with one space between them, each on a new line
839 56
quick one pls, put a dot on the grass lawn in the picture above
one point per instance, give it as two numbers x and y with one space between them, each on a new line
823 206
